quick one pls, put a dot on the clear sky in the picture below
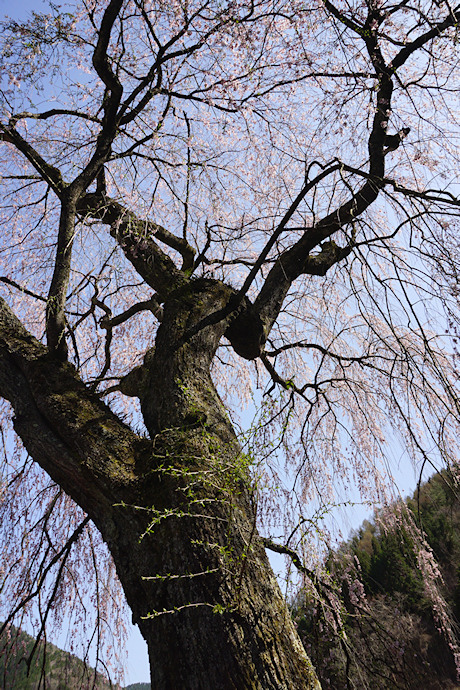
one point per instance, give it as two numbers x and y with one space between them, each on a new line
20 8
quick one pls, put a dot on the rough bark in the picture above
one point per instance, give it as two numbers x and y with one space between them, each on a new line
176 511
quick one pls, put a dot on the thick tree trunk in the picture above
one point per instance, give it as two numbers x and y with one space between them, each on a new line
218 619
206 601
175 512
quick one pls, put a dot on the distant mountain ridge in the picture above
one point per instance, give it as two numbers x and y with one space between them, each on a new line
62 670
391 639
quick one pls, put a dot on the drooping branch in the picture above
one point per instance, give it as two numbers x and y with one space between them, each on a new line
62 553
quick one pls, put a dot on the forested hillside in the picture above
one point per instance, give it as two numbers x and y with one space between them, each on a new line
391 635
50 667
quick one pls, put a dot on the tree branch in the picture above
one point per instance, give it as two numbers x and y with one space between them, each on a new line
76 438
48 173
135 237
56 558
151 304
451 20
55 305
100 60
297 261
